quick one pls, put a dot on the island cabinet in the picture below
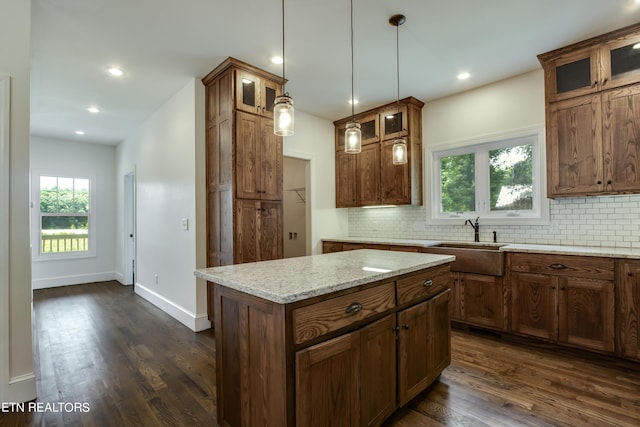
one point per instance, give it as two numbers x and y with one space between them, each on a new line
628 302
243 166
564 298
592 92
349 357
370 178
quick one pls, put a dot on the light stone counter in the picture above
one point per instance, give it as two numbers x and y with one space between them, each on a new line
294 279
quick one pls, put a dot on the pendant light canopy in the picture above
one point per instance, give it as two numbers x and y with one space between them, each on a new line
353 134
399 150
283 118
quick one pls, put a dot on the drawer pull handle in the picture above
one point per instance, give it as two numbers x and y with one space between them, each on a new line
558 266
354 307
428 283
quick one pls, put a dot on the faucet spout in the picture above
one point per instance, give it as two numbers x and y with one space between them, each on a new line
476 228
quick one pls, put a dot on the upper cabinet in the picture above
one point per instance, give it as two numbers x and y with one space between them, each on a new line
255 94
592 92
370 178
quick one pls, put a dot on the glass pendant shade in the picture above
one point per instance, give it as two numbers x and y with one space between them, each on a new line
283 119
399 151
353 138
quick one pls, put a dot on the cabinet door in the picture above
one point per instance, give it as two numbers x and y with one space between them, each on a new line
248 89
413 351
246 236
270 187
439 335
628 300
247 159
573 74
456 299
621 129
370 128
535 305
346 180
269 234
395 180
574 147
368 175
621 62
378 371
586 313
269 92
328 383
482 300
394 123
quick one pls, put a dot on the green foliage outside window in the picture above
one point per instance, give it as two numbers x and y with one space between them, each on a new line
458 183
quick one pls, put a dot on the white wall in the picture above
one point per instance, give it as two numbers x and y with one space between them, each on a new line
502 107
166 154
314 140
69 158
17 381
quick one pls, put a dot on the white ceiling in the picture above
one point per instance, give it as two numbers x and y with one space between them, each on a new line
161 44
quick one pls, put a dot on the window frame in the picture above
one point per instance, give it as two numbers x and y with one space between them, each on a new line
481 146
37 216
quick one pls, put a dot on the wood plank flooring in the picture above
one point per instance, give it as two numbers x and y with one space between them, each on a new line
136 366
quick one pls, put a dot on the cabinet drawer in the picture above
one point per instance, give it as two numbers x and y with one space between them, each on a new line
328 247
423 285
564 265
321 318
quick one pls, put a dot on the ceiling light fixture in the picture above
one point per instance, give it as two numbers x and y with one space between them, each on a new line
353 134
115 71
283 119
79 132
277 60
464 76
399 149
94 110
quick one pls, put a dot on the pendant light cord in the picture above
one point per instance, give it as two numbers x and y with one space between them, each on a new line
353 101
398 62
284 80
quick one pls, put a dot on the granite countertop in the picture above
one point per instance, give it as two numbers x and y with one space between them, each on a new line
599 251
295 279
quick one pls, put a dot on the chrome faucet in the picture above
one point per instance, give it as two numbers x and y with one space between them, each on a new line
476 229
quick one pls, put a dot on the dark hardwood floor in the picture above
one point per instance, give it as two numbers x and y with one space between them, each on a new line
133 365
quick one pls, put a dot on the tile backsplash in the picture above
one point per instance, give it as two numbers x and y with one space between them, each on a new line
611 221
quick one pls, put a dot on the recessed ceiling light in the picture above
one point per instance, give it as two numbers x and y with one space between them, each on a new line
115 71
79 132
354 102
464 76
277 60
93 109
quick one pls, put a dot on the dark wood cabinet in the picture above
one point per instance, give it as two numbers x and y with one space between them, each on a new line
568 299
370 178
628 302
593 112
481 300
244 165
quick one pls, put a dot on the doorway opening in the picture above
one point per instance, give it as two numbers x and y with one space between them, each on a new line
130 229
296 207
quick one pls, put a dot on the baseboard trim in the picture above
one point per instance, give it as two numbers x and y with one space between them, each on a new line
192 321
22 388
53 282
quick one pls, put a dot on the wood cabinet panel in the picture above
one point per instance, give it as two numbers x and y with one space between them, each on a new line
628 302
535 305
369 175
258 228
564 265
421 286
328 383
346 180
315 320
482 300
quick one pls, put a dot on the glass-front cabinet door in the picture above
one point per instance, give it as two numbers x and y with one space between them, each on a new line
393 123
370 127
255 95
572 75
622 61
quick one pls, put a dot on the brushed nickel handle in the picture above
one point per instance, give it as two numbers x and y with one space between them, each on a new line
354 307
558 266
428 283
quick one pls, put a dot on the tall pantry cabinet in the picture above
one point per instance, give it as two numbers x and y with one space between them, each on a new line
243 164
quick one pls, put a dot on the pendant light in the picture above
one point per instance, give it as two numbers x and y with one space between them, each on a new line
353 134
399 150
283 119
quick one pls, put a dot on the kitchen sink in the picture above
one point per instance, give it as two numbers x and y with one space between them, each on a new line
479 258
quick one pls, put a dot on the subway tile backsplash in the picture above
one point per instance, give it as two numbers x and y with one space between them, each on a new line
612 221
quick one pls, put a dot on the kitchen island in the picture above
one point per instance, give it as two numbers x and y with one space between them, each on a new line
335 339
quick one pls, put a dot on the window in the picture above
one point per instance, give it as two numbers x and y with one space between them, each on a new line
497 180
64 215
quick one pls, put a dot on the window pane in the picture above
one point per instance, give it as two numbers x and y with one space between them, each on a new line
64 234
64 195
457 178
511 178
